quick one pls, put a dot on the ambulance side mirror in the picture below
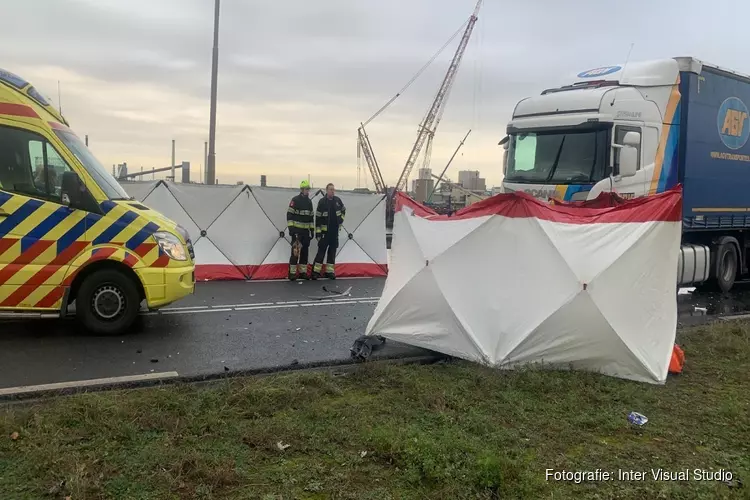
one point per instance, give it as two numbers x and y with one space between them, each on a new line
72 190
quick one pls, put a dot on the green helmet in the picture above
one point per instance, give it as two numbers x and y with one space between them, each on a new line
304 185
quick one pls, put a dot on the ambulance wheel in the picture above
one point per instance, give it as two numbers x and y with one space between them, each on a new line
107 302
726 267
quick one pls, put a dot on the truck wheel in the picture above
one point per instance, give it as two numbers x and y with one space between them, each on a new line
726 267
107 302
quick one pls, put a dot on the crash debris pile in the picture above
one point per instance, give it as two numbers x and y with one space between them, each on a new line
239 232
513 280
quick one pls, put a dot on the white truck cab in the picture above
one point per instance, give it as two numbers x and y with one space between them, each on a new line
600 133
638 129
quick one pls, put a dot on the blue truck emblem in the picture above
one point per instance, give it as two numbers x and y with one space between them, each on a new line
732 123
593 73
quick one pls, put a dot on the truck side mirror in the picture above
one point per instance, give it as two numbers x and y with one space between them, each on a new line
632 139
72 189
628 160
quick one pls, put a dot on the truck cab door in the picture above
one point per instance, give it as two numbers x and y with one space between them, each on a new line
37 237
628 186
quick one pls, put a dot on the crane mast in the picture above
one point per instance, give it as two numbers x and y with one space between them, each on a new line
432 118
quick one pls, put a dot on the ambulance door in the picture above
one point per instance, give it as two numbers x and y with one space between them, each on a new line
39 236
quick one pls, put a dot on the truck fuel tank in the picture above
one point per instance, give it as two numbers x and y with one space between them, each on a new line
694 264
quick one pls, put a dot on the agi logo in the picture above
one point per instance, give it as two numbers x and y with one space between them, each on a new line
606 70
732 123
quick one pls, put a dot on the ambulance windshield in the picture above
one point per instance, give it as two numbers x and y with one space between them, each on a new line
103 178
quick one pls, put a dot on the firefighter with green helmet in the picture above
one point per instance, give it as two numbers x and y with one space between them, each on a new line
300 223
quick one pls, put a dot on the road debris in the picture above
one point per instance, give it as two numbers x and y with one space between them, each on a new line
637 418
365 345
331 292
281 446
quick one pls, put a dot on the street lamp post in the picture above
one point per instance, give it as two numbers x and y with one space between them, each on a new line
211 163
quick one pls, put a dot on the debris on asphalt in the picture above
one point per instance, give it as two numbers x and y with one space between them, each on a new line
298 329
365 345
294 362
637 418
281 446
14 436
345 293
226 368
154 360
138 351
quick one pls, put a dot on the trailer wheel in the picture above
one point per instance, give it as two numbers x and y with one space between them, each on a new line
107 302
726 267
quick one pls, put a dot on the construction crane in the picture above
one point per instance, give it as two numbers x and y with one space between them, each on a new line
364 147
440 178
432 118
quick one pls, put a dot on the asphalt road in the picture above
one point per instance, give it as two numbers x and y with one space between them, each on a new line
232 326
237 325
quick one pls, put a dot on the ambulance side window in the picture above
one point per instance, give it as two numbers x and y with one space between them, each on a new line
29 165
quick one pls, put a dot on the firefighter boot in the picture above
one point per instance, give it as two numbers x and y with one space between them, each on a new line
302 272
292 273
316 270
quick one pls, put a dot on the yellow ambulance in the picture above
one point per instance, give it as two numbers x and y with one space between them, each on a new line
69 233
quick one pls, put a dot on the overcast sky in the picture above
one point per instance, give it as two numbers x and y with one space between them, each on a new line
296 77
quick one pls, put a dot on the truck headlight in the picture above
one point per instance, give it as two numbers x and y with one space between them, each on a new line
171 245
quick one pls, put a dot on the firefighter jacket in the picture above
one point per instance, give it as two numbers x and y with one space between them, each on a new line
329 216
299 215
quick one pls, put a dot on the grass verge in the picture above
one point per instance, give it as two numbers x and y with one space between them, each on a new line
449 431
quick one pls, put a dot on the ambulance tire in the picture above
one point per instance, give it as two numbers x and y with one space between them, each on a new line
108 302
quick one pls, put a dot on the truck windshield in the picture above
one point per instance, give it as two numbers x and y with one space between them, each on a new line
558 157
101 176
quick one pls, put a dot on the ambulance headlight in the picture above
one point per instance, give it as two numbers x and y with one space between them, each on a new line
171 245
183 232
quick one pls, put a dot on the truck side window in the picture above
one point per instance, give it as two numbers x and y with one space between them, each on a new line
620 131
29 165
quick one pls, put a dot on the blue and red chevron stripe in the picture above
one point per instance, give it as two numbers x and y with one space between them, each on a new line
31 243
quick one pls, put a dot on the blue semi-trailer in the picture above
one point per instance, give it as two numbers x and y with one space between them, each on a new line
641 128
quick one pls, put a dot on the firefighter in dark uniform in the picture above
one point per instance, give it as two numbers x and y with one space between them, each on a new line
329 219
299 221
